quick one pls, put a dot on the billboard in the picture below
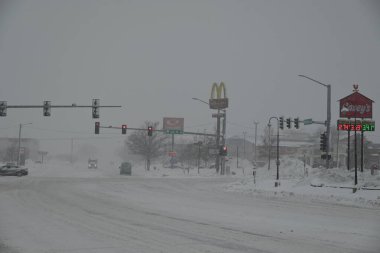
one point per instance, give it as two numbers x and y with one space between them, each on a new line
173 124
355 105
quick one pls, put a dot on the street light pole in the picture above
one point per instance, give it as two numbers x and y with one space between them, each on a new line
328 120
19 143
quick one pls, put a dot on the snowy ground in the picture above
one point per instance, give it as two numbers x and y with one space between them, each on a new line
297 181
68 208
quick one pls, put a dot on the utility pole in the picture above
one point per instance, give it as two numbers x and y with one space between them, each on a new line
237 156
255 122
244 133
71 150
19 143
337 151
269 145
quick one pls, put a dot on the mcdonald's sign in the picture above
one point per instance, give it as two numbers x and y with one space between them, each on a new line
217 101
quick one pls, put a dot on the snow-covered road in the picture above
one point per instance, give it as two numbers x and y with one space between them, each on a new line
137 214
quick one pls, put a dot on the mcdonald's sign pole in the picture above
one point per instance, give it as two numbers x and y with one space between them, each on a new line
219 101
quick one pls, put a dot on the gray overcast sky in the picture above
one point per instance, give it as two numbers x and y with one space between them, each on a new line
153 56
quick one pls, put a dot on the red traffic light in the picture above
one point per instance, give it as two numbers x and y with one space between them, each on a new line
123 129
97 126
150 131
223 151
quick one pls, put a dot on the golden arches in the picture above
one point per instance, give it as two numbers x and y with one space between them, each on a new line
218 89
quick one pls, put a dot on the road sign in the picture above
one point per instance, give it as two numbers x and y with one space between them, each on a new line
218 103
170 123
172 153
173 131
308 121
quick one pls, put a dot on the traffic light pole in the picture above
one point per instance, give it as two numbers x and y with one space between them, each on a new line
328 123
328 120
19 144
277 183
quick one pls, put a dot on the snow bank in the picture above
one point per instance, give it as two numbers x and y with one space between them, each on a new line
299 182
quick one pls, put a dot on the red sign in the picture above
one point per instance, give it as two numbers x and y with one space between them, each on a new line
172 153
173 124
356 126
355 105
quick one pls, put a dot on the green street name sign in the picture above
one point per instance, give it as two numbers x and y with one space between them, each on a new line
173 131
308 121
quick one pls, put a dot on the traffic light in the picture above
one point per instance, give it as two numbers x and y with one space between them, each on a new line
3 108
288 120
223 150
47 108
296 123
95 108
323 142
150 131
281 123
123 129
97 126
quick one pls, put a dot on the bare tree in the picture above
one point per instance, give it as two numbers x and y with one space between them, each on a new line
149 147
268 139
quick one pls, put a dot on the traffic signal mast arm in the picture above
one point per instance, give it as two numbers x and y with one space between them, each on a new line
46 106
155 130
58 106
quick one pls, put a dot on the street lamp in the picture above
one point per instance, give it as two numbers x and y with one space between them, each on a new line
218 133
201 101
328 120
19 143
277 183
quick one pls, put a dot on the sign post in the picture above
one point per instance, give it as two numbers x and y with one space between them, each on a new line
355 106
